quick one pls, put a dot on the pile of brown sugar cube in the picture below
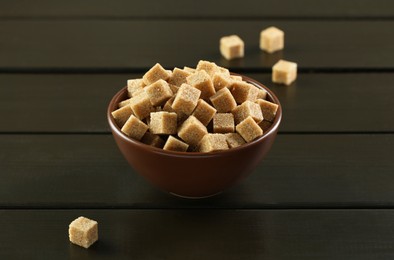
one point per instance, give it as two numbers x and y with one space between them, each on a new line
197 110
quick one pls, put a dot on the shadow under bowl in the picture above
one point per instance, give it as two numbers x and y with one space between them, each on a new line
194 174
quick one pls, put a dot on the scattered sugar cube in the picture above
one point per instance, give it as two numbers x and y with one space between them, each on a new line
121 115
223 101
83 232
247 109
152 139
134 128
231 47
163 123
141 105
204 112
186 99
284 72
174 144
178 77
234 140
221 80
249 129
265 125
223 123
268 109
133 85
213 142
158 92
155 73
202 81
192 131
271 39
210 67
243 91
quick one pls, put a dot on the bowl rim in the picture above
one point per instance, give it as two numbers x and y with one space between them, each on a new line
112 106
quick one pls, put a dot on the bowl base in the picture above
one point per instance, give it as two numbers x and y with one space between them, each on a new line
195 197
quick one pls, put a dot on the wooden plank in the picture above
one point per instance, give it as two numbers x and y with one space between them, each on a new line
198 234
77 102
121 45
301 171
200 9
57 102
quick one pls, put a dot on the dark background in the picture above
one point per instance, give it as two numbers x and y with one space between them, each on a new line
325 191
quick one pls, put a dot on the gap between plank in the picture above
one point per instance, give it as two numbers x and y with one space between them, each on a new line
278 208
119 70
191 18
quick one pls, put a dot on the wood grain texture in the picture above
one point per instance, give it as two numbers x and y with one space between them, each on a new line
197 9
207 234
301 171
136 45
78 102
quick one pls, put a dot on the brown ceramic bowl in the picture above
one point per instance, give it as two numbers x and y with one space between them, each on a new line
192 174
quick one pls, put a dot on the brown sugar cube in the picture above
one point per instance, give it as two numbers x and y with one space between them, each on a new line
262 94
134 128
186 99
234 140
221 80
224 71
83 232
231 47
223 101
249 129
210 67
163 123
152 139
234 77
138 92
178 77
268 109
174 144
243 91
223 123
247 109
202 81
155 73
121 115
204 112
213 142
192 131
188 69
158 92
141 105
272 39
123 103
265 125
168 107
174 88
133 85
284 72
169 73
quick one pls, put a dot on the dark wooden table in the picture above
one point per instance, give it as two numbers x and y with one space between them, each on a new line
325 191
